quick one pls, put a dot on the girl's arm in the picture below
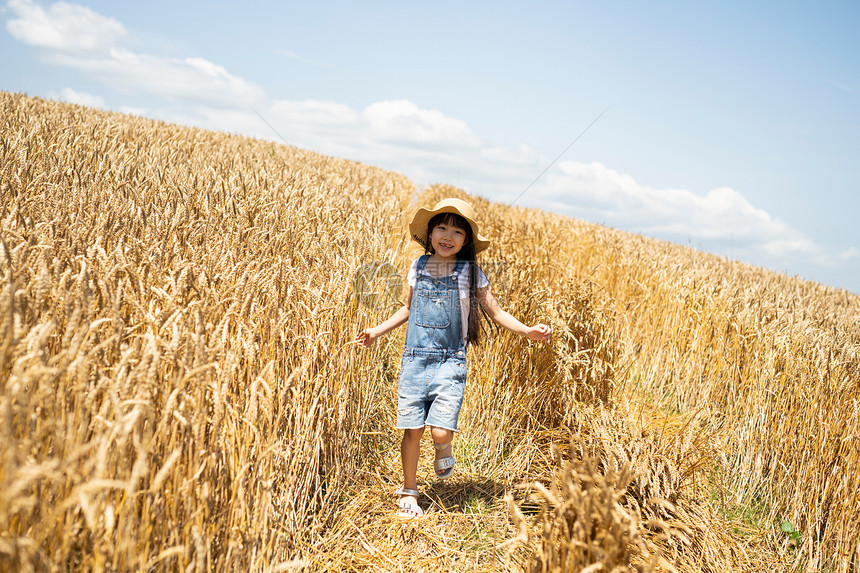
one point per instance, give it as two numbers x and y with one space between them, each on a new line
369 335
491 306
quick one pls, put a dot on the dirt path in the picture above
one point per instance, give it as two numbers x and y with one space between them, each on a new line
468 525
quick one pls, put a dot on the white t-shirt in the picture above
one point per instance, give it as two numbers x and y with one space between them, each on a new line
462 284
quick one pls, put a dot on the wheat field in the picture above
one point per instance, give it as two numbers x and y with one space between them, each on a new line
180 389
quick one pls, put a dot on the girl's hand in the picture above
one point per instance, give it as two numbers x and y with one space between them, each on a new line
366 337
540 332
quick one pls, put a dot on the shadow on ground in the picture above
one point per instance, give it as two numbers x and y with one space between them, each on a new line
466 495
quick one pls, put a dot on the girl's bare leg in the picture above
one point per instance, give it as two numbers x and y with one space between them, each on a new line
442 436
410 448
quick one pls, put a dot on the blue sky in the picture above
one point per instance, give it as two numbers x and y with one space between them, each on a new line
733 127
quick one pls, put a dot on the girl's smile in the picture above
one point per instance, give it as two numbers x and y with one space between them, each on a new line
447 240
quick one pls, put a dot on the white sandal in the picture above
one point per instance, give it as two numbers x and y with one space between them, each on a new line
446 464
406 509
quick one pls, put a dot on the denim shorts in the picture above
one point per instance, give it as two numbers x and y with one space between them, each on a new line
430 392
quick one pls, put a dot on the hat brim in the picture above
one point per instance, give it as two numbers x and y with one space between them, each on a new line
418 226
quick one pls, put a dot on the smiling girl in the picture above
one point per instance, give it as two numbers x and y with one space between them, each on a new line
447 291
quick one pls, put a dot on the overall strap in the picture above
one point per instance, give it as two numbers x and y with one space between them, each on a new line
422 261
460 267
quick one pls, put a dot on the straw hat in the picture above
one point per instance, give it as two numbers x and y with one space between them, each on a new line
418 226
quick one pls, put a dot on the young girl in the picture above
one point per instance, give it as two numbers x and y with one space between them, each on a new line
446 289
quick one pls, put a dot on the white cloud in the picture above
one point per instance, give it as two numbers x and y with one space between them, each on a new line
314 114
403 121
781 247
395 131
619 200
190 79
81 98
62 26
522 156
849 254
76 37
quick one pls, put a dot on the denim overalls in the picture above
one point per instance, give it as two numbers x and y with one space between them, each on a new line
433 368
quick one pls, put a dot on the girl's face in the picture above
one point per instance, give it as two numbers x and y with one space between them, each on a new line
447 240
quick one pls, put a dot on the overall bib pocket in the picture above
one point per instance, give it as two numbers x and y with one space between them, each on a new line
433 308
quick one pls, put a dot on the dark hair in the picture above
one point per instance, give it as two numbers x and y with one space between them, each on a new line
467 253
